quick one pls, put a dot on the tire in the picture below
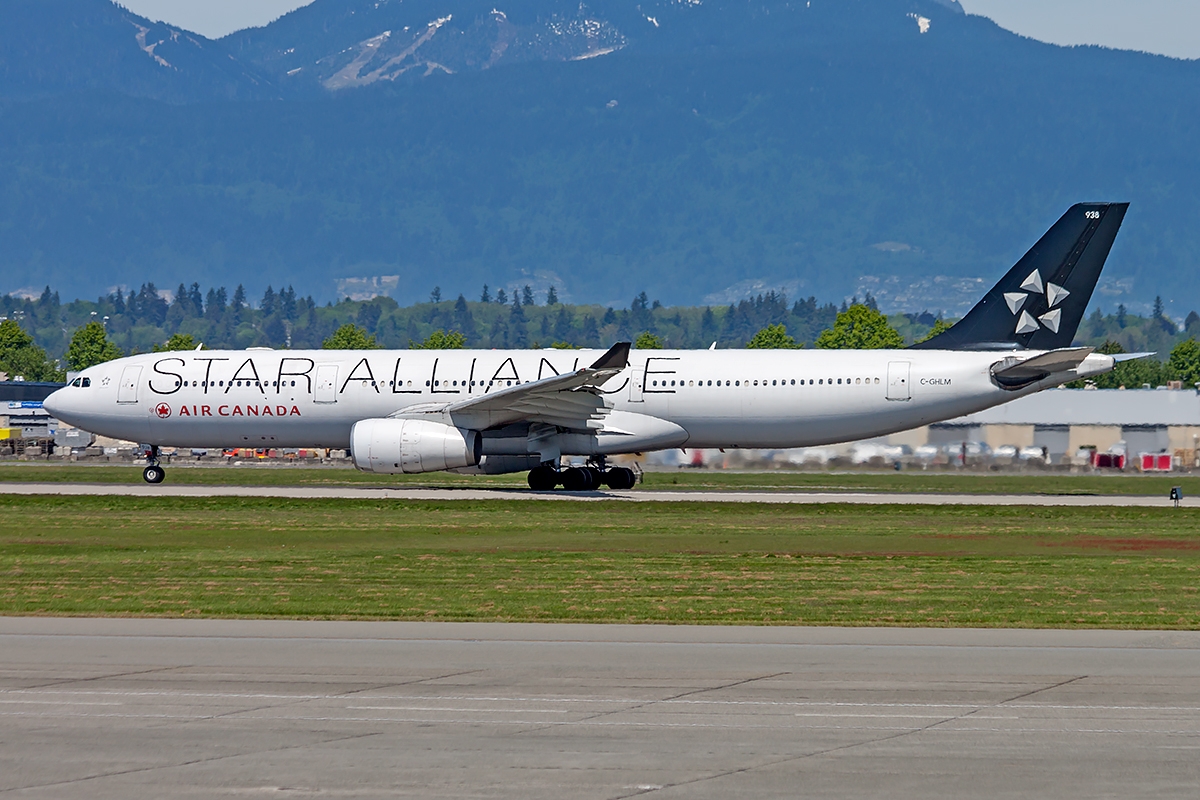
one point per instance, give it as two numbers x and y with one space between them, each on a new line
620 478
576 480
543 479
154 474
596 476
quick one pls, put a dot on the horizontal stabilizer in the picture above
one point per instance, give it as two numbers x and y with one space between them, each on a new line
1012 372
1119 357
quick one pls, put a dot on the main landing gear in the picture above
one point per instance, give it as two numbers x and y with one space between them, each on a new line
153 473
546 477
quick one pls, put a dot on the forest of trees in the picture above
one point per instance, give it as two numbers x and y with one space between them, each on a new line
41 338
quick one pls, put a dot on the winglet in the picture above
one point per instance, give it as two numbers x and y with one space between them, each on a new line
616 358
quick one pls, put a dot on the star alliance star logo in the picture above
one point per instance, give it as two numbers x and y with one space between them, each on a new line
1055 294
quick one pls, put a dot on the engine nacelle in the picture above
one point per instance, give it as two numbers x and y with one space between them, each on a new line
412 445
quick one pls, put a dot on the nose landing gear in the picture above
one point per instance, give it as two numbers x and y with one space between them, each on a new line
546 477
153 473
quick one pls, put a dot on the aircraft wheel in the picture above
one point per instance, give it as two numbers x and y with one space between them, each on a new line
576 480
620 478
154 474
596 478
543 478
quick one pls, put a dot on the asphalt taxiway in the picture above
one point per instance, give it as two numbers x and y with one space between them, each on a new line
127 708
644 496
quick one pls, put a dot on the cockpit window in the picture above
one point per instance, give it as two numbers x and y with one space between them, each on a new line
76 382
87 382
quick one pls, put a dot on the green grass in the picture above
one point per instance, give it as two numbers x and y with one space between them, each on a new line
601 562
1042 483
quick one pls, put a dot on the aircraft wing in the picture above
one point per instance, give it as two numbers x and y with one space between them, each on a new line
566 401
1020 371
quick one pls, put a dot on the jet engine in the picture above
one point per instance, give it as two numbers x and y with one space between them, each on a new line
411 445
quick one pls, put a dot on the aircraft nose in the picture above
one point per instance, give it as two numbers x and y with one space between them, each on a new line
55 403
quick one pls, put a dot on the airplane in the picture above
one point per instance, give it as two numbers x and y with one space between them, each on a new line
501 411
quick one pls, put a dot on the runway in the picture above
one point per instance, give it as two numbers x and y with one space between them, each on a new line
127 708
414 493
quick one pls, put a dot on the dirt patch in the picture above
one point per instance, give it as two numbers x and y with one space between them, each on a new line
1128 544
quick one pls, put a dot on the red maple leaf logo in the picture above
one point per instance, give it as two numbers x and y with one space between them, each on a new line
163 410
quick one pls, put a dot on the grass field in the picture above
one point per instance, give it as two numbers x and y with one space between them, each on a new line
601 562
683 480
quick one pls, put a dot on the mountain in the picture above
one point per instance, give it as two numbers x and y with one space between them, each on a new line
723 147
54 46
341 44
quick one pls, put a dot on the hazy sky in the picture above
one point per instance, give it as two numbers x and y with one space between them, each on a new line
1170 27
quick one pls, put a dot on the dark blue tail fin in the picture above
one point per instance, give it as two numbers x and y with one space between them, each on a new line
1040 302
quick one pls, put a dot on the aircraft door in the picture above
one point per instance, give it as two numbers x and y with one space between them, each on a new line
128 390
327 377
637 382
897 385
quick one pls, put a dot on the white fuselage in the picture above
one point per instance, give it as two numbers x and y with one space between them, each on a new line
720 398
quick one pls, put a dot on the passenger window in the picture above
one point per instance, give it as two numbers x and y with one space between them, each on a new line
839 381
794 381
772 383
857 380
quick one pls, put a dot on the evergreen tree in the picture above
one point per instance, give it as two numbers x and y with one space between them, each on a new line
239 298
436 295
501 298
527 296
267 306
195 301
287 303
590 336
518 333
90 346
551 297
463 321
563 329
368 316
486 296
